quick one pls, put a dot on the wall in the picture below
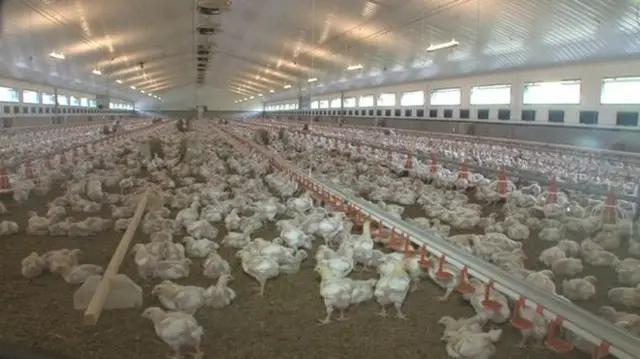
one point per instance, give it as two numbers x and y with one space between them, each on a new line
212 114
187 97
19 114
591 76
606 133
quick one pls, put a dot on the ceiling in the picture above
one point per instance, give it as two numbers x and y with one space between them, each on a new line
260 47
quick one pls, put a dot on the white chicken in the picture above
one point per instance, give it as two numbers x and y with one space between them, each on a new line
393 289
335 291
199 248
177 329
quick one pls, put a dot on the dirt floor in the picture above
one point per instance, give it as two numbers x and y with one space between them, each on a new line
38 313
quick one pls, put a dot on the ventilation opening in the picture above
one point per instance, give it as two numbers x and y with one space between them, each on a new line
200 58
209 10
206 31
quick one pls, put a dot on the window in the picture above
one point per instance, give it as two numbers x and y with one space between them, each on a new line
448 113
627 119
48 99
286 106
8 94
433 113
387 113
84 102
63 100
324 103
412 98
464 113
588 117
25 109
528 115
490 95
483 114
365 101
552 93
29 96
397 113
74 101
378 112
445 97
349 102
620 91
386 100
408 113
92 103
556 116
504 114
336 103
350 112
420 113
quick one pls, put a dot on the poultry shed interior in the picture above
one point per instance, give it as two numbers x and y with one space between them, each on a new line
319 179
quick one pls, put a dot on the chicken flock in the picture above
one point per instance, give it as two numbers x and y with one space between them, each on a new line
464 213
214 184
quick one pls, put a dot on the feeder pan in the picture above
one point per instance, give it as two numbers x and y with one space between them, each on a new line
397 246
559 346
492 304
466 288
521 323
424 264
442 275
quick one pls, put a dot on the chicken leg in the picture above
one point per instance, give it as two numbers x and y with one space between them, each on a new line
399 313
382 312
198 353
342 317
327 319
176 354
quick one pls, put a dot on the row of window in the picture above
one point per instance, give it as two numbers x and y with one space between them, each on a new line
614 91
11 95
623 118
9 122
7 109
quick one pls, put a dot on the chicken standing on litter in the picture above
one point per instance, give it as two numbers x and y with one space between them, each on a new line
176 329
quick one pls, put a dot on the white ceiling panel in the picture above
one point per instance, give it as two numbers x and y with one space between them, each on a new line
261 46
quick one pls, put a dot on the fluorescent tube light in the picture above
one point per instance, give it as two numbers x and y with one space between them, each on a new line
286 87
96 72
57 55
119 81
133 87
354 67
442 46
313 79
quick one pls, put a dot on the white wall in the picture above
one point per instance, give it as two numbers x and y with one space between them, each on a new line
22 85
591 76
216 99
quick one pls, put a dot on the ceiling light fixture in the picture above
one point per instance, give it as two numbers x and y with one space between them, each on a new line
442 46
355 67
119 81
57 55
142 91
260 95
286 87
313 79
133 87
96 72
252 97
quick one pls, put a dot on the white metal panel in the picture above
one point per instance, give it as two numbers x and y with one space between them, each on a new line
591 76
